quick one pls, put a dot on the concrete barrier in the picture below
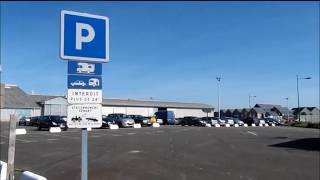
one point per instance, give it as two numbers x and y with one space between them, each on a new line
137 125
266 125
27 175
208 125
227 125
260 125
89 129
273 125
155 125
55 129
236 125
245 125
21 131
217 125
113 126
253 125
3 170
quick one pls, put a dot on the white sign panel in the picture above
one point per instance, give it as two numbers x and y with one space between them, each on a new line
84 96
84 116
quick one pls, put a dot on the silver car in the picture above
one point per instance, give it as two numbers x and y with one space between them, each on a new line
121 119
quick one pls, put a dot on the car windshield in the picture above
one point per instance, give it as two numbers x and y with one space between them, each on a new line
123 116
57 119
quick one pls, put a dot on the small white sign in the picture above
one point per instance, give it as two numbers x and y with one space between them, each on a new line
84 96
84 116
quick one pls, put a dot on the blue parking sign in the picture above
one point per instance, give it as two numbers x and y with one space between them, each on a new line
84 82
84 68
84 37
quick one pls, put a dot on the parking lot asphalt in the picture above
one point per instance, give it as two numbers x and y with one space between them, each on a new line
171 152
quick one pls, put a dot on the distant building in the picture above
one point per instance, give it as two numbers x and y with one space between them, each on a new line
307 114
15 101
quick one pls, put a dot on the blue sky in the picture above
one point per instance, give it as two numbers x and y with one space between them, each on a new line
174 50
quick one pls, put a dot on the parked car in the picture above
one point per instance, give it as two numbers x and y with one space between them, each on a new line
177 121
271 121
106 121
238 121
166 116
144 121
52 121
25 120
221 122
193 121
259 121
34 121
229 120
210 120
160 121
121 119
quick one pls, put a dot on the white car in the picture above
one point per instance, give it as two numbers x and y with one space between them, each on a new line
259 121
230 121
160 121
78 83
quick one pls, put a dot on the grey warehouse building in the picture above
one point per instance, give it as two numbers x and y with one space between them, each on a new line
15 101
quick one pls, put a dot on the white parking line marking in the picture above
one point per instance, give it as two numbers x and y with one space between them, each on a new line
134 152
52 139
131 133
253 133
25 141
2 142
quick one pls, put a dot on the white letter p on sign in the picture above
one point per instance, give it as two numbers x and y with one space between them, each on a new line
83 39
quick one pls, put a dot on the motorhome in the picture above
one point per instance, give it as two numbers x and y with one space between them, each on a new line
85 68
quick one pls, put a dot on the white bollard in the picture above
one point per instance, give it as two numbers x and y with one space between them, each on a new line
3 170
260 125
236 125
253 125
113 126
217 125
266 125
21 131
89 129
273 125
27 175
137 125
227 125
245 125
55 129
155 125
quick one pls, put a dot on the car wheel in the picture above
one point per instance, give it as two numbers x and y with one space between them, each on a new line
39 128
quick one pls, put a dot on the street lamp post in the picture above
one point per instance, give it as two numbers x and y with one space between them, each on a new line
287 108
298 78
250 100
218 79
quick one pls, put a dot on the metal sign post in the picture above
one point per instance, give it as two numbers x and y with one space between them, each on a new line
85 40
84 154
11 148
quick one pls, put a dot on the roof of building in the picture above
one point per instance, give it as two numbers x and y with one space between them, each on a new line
42 98
144 103
302 108
267 106
259 110
14 97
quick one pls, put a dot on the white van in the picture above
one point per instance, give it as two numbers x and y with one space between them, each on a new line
94 82
85 68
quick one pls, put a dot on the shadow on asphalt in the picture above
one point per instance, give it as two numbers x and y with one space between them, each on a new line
309 144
